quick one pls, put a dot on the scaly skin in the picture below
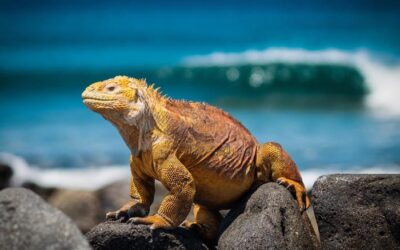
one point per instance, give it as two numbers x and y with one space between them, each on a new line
202 155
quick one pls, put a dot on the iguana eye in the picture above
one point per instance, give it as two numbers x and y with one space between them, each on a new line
111 88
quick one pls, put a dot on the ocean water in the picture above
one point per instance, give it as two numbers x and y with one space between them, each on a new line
321 79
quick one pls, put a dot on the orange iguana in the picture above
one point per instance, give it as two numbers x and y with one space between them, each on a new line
201 154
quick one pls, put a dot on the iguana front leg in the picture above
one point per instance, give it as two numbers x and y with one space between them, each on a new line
176 205
142 193
274 162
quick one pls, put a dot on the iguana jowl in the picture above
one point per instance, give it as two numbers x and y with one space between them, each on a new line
202 155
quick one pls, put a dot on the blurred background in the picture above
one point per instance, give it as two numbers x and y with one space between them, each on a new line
321 78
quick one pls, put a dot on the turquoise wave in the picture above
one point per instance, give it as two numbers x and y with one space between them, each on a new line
266 79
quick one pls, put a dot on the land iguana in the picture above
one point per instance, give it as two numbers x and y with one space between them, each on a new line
201 154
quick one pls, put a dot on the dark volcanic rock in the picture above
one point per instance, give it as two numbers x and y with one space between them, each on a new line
27 222
112 235
5 175
358 211
267 219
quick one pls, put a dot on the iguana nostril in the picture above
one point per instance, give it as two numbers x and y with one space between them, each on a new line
87 91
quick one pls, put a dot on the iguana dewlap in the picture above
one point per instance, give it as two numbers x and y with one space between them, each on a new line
202 155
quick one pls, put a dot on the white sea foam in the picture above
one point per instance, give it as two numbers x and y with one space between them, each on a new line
76 178
93 178
383 80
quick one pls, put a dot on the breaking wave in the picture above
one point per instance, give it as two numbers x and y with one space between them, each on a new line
274 76
330 71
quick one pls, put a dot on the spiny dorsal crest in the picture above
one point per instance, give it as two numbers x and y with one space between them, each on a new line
148 90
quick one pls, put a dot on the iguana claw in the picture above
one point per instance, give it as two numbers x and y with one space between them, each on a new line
297 190
131 209
156 221
115 215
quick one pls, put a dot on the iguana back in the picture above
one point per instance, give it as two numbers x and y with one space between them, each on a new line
209 137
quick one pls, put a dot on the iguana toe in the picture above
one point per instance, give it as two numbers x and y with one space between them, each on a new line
155 221
116 215
298 190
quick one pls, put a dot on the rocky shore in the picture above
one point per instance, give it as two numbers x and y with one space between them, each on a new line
352 212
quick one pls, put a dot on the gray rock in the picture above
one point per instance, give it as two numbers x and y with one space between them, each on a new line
82 206
112 235
267 219
27 222
358 211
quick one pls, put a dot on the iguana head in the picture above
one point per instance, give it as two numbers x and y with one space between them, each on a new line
120 98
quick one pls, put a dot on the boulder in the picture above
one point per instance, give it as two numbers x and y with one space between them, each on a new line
358 211
27 222
112 235
6 173
269 218
82 206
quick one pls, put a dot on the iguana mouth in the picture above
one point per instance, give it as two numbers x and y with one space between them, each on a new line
97 99
89 96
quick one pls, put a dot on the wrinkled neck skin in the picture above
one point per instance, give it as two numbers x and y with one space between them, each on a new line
136 128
